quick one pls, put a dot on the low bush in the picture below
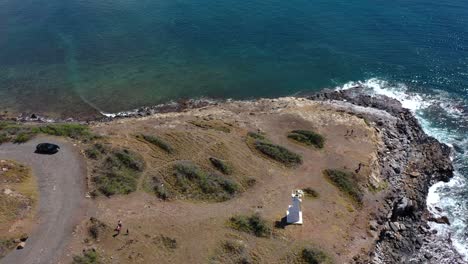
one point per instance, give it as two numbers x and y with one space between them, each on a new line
194 182
346 182
88 257
158 142
95 228
22 137
257 136
95 151
253 224
278 153
314 256
75 131
118 172
309 192
307 137
4 138
168 242
221 165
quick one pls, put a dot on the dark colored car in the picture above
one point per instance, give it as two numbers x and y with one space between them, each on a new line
47 148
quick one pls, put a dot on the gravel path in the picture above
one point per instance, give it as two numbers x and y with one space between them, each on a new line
61 179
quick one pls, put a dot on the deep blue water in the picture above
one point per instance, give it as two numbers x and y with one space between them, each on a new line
69 57
118 55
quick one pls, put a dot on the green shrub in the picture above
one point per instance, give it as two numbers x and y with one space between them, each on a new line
116 182
314 256
252 224
168 242
88 257
118 172
4 138
278 153
22 138
75 131
158 142
125 159
162 192
309 192
257 136
194 182
307 137
221 165
346 182
95 228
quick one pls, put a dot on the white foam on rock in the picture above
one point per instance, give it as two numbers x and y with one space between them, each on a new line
452 196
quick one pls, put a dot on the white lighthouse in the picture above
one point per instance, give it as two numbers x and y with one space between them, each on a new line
294 212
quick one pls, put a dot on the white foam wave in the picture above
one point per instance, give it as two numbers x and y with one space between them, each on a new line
452 196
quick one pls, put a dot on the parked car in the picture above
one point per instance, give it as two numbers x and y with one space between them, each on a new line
47 148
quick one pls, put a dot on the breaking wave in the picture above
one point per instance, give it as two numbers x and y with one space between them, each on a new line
444 117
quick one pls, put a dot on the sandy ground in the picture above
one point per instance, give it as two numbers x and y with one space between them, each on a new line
331 222
61 181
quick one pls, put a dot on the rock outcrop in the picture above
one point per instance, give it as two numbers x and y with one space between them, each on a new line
410 161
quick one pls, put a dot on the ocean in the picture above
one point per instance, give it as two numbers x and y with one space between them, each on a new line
78 57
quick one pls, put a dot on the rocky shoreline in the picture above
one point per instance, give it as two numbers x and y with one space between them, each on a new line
410 161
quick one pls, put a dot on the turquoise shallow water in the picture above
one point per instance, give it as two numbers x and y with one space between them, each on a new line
71 57
117 55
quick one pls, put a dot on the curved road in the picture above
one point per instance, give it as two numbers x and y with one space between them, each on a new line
61 180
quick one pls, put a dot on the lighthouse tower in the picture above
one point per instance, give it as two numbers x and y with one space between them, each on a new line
294 212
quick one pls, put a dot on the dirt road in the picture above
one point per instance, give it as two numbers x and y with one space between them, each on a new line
61 181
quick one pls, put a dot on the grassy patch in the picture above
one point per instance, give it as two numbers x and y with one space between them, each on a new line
22 137
95 228
88 257
6 245
118 172
168 242
314 256
346 182
75 131
161 191
257 135
21 133
307 137
212 124
253 224
232 251
310 193
4 138
96 151
278 153
158 142
221 165
195 183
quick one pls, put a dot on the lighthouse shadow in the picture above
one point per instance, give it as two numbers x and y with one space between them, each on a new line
282 223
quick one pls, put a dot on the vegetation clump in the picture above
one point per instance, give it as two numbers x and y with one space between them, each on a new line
212 124
307 137
161 191
314 256
88 257
221 165
232 252
118 172
257 135
95 228
6 245
278 153
311 193
21 133
160 143
347 182
95 151
193 182
168 242
253 224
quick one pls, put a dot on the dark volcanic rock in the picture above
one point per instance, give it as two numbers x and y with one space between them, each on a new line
410 161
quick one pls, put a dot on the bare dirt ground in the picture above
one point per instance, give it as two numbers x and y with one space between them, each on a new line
332 222
61 181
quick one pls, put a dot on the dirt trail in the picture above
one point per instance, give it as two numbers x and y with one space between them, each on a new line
61 181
